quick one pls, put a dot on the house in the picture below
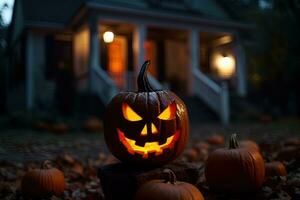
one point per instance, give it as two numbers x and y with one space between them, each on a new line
58 49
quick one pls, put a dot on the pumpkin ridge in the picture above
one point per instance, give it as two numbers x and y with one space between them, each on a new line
253 168
159 108
148 125
51 180
248 166
42 180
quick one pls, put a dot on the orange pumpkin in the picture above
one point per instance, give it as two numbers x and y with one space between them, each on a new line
146 127
249 144
43 183
275 168
266 119
216 139
288 153
191 155
235 170
169 189
201 145
292 142
60 128
42 126
93 125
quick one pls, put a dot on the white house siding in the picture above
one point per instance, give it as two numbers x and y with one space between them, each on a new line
35 69
43 89
81 56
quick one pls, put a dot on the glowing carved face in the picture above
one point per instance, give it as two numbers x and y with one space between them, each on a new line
149 147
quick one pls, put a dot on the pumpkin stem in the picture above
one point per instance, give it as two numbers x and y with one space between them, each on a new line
142 81
233 143
47 164
171 176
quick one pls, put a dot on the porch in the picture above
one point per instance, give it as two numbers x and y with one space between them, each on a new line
205 60
186 61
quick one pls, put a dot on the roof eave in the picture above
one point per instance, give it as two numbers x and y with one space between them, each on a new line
148 14
44 24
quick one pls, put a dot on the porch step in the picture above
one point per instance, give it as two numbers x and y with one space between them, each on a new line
199 112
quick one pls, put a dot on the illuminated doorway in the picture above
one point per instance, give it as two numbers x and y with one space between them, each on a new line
117 60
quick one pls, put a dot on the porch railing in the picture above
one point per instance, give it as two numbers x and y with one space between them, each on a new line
103 85
215 96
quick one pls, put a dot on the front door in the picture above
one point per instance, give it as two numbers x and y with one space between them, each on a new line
176 65
117 60
63 74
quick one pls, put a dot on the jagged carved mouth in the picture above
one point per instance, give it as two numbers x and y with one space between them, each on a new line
149 147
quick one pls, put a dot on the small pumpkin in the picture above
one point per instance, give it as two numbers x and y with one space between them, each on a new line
288 153
202 149
147 127
93 125
275 168
235 170
60 128
201 145
43 183
266 119
42 126
216 139
168 189
292 142
191 155
249 144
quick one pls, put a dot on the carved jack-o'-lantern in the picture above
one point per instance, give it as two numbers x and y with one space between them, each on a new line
146 127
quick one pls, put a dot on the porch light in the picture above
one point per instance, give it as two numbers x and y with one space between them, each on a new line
225 66
108 36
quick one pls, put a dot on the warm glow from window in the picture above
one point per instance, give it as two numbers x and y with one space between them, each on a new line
129 114
108 36
117 60
168 113
151 54
225 66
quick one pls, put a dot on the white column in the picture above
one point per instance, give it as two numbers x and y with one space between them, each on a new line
94 50
29 82
139 38
241 73
225 111
194 58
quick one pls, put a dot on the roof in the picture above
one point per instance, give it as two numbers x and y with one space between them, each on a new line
50 11
61 12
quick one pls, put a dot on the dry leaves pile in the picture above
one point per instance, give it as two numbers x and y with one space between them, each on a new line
82 181
81 177
277 187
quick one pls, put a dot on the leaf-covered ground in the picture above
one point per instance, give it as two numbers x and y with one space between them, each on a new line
79 154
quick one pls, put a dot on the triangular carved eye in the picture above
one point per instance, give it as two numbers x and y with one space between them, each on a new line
169 112
129 114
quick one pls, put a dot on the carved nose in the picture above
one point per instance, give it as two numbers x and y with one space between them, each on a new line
152 128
